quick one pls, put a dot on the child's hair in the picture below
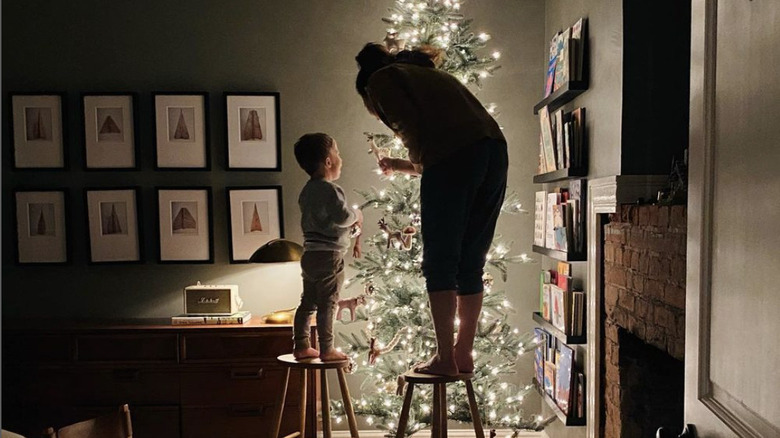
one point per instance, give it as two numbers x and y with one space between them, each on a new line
374 56
311 150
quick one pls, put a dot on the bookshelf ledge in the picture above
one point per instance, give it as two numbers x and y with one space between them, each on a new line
566 93
559 255
555 331
560 175
566 420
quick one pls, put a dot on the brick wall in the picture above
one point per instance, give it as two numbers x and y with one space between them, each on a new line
644 295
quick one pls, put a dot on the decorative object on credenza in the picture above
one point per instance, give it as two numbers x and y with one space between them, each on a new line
212 299
41 227
110 140
114 230
255 218
184 225
277 251
242 317
181 130
37 128
253 131
284 316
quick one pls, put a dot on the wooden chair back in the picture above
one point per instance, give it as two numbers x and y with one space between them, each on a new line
116 425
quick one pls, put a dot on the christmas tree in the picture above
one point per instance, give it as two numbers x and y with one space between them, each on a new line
398 331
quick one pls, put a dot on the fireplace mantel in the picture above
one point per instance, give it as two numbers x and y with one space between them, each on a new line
605 195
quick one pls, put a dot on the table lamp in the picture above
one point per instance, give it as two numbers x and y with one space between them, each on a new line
278 251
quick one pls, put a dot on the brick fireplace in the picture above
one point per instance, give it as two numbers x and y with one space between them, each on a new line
643 320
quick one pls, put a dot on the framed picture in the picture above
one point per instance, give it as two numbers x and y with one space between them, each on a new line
255 218
253 131
40 227
184 218
37 128
110 131
181 131
114 232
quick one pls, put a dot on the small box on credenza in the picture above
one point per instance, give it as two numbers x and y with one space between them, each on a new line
211 299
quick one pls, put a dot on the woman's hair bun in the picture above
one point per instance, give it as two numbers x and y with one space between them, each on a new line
373 56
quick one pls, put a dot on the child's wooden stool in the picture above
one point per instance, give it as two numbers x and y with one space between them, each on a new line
439 412
289 361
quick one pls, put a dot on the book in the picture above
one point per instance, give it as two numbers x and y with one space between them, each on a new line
561 56
579 397
548 139
546 301
578 32
540 202
549 227
541 339
550 79
561 308
236 318
578 143
549 378
564 269
578 312
563 378
559 213
560 156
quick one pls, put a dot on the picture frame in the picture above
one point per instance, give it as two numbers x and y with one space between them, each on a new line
255 218
112 225
41 224
181 131
38 130
185 225
110 131
253 131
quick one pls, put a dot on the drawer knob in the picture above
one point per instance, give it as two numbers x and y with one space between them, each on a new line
246 374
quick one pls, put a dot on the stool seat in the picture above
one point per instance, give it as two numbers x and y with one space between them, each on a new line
414 377
313 365
439 411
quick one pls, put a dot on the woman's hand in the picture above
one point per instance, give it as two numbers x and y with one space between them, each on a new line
387 165
390 165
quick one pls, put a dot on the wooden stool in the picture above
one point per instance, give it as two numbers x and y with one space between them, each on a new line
439 412
289 361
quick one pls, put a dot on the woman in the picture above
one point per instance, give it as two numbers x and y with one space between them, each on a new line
459 150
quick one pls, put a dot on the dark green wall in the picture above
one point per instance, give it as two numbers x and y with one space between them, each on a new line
302 49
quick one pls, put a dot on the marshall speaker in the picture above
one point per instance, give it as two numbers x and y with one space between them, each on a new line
209 299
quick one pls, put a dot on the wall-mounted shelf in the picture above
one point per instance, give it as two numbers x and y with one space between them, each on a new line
560 255
561 175
566 93
558 333
565 419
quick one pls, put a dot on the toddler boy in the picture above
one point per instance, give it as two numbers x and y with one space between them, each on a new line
326 221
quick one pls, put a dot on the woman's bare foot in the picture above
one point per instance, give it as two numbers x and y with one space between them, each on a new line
464 360
332 355
305 353
437 367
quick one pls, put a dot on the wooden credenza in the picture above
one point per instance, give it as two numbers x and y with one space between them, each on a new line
180 381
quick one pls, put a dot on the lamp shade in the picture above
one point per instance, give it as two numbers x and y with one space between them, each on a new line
277 251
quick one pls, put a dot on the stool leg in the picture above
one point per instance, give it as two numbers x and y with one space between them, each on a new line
405 411
436 413
353 430
325 408
302 420
443 409
475 418
280 407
